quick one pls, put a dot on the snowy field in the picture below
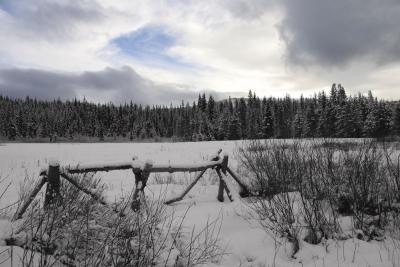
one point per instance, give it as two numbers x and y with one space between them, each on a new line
244 241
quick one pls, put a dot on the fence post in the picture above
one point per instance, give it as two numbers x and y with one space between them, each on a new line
140 181
53 184
224 164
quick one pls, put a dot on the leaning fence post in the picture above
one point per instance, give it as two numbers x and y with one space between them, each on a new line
140 181
223 186
53 184
224 164
21 210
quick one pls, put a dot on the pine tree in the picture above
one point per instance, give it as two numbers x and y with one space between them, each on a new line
242 113
341 95
323 127
267 123
330 120
345 123
202 102
251 117
234 128
211 108
100 131
383 121
322 100
369 128
333 96
396 120
360 115
336 115
298 125
230 105
12 132
278 121
21 124
222 129
311 122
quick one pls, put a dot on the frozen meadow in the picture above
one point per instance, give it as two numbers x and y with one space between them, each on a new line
245 243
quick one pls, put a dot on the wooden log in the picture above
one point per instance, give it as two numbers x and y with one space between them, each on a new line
224 164
148 166
220 195
140 181
74 182
214 162
135 205
53 184
223 186
18 214
185 167
179 198
96 168
137 167
244 192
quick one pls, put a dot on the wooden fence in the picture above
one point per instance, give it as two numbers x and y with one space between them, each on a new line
141 171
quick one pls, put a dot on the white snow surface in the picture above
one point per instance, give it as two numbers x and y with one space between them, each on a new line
245 242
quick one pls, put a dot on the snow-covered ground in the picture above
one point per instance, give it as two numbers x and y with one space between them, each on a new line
245 242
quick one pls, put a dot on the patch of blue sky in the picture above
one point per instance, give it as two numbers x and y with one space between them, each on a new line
7 6
149 45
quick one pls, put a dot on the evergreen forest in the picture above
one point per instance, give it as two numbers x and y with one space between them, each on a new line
331 114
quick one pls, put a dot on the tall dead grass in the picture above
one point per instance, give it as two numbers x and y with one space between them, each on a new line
303 188
79 231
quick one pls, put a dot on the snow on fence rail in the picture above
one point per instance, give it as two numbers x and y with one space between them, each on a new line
141 170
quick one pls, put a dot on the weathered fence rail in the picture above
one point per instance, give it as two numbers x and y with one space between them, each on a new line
138 166
141 171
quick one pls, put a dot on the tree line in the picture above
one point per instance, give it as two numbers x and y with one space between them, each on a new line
332 114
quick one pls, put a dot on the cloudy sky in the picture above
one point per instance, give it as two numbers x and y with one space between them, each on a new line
162 51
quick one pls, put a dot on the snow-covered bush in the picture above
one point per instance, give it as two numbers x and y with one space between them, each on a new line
79 231
270 165
364 175
329 180
279 216
280 169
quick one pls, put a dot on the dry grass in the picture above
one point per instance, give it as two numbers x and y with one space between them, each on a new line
329 180
78 231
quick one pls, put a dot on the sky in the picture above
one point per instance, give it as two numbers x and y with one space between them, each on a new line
162 52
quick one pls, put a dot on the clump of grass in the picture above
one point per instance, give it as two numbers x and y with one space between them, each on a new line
337 145
163 179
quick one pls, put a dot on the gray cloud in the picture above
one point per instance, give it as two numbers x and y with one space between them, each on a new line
334 33
52 20
249 9
116 85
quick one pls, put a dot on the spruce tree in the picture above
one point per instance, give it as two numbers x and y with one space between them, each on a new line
298 125
341 95
396 120
383 121
346 121
234 128
370 124
331 118
211 108
336 115
11 132
333 96
311 122
242 113
267 123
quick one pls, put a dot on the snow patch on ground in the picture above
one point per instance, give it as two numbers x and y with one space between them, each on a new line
244 241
